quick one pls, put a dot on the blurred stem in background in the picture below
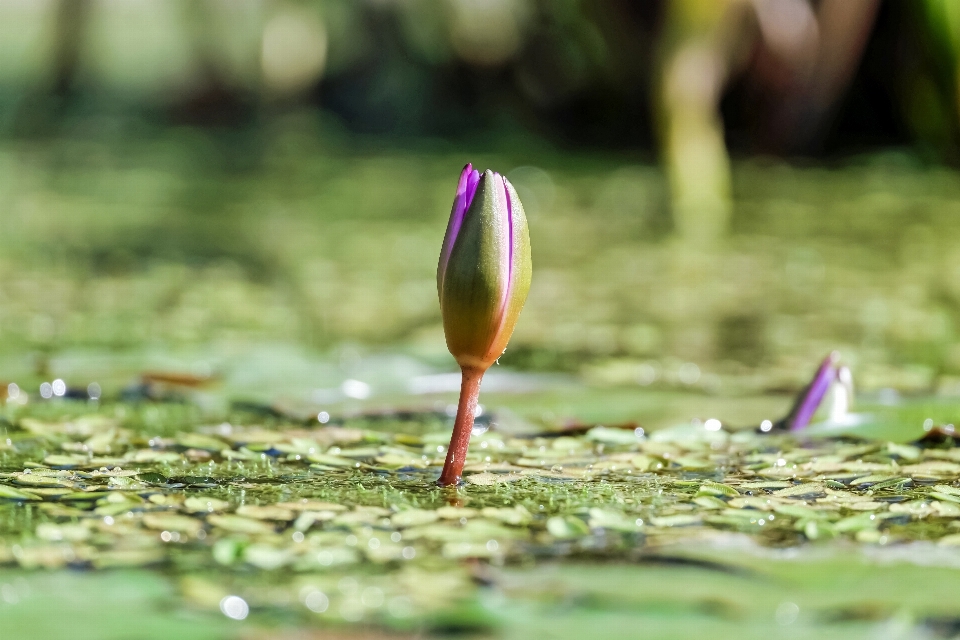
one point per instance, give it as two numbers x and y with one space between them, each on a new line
214 98
799 55
71 21
694 66
806 56
50 94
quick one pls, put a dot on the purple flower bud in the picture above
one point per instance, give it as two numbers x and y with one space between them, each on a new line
484 272
811 397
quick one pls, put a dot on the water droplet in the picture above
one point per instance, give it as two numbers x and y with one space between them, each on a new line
317 601
356 389
234 607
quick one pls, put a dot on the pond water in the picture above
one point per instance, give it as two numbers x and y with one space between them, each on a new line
226 399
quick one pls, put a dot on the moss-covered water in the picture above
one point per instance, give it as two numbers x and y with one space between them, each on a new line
256 318
693 527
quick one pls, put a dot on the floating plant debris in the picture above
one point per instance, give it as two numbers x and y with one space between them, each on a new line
342 523
312 507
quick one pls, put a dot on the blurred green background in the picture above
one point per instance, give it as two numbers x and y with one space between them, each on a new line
719 192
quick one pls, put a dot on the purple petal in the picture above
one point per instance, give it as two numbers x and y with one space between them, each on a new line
471 190
814 394
466 190
500 181
460 202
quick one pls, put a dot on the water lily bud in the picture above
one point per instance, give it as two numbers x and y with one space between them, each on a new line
813 394
484 273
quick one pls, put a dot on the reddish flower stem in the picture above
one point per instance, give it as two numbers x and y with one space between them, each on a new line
462 427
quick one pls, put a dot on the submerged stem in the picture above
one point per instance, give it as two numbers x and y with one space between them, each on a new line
462 427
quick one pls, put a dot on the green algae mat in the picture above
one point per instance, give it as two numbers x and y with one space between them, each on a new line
269 526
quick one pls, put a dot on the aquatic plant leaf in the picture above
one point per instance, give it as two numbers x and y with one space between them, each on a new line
804 491
717 489
613 520
413 517
679 520
517 516
567 527
9 493
266 512
239 524
172 522
487 479
196 504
